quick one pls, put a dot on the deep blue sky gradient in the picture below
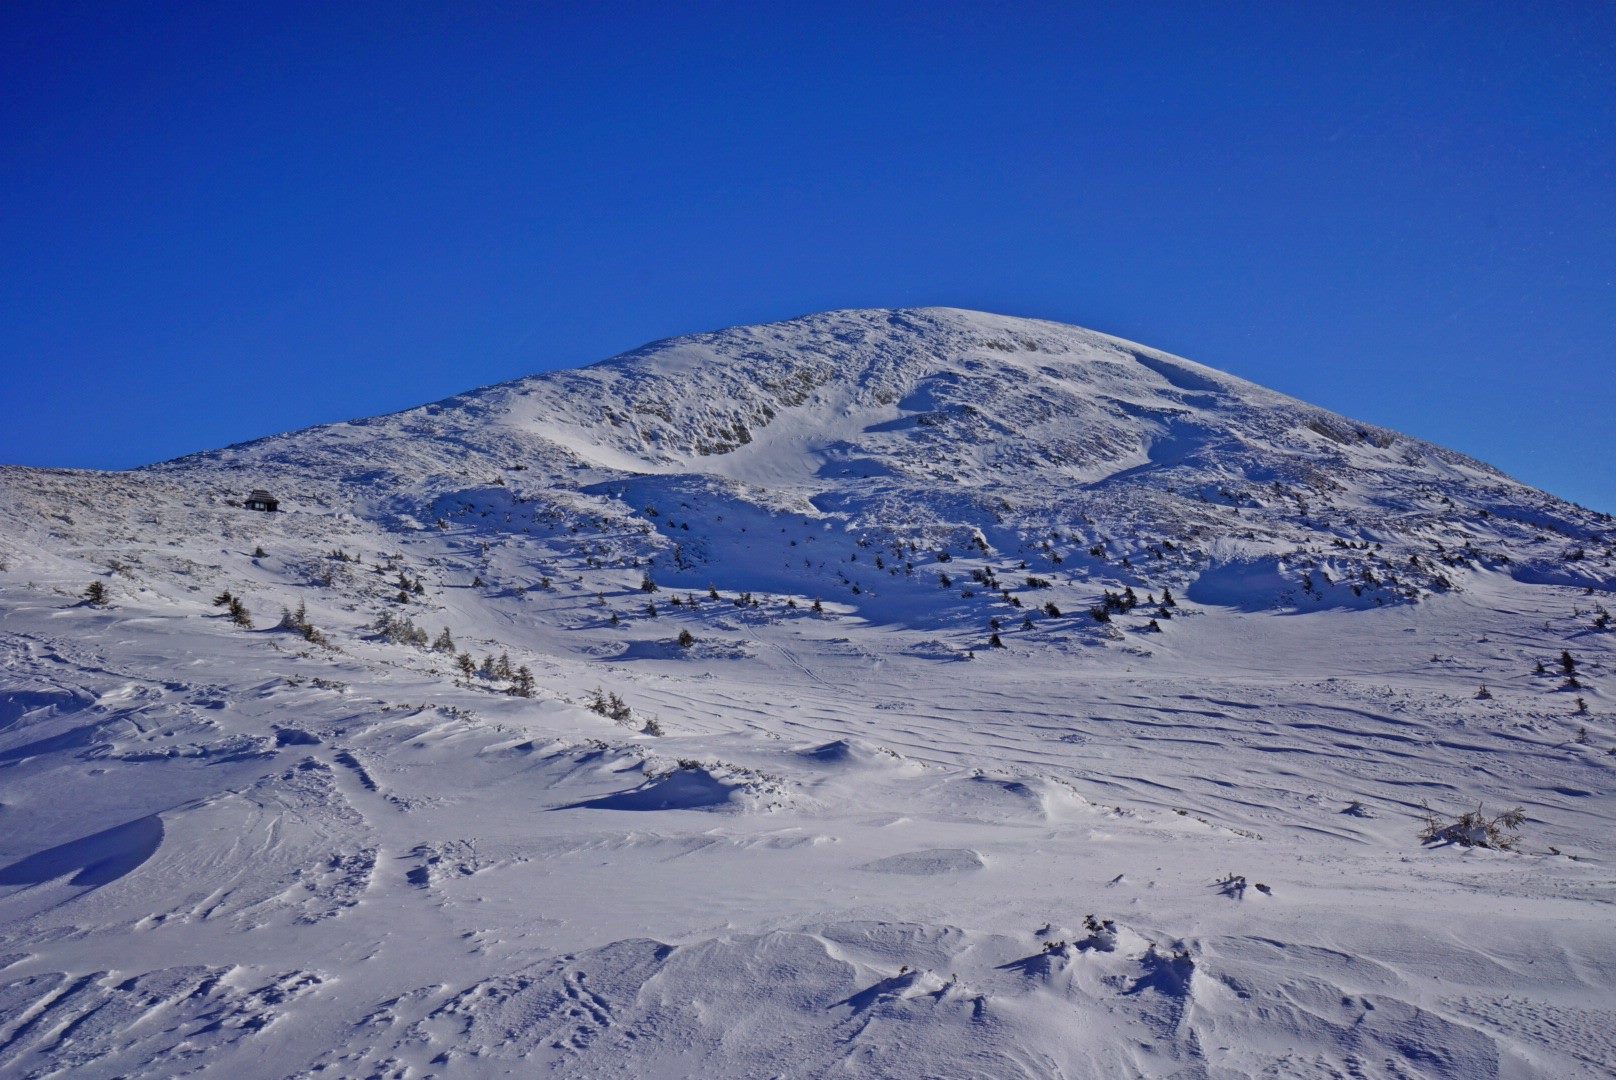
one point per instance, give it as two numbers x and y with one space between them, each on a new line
218 221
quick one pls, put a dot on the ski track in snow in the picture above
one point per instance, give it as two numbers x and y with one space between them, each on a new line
863 841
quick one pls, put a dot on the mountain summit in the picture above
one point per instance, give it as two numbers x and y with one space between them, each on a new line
909 386
932 426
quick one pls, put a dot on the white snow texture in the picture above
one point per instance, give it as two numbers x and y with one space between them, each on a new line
914 693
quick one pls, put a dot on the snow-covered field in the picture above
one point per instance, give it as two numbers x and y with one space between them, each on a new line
1184 839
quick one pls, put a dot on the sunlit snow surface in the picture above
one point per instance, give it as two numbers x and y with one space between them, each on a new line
865 842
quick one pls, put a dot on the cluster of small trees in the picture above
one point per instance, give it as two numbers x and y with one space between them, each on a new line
1127 600
401 630
609 705
492 668
234 608
408 587
298 622
1568 669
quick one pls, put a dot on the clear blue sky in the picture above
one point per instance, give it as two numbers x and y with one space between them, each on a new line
218 221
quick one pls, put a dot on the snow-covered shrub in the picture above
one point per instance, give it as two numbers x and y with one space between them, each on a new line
1474 829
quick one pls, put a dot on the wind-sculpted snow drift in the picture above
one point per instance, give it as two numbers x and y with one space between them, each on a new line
880 693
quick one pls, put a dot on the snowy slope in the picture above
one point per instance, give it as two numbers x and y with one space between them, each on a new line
1169 825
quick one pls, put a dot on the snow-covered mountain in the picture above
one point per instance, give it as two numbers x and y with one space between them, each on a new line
908 693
